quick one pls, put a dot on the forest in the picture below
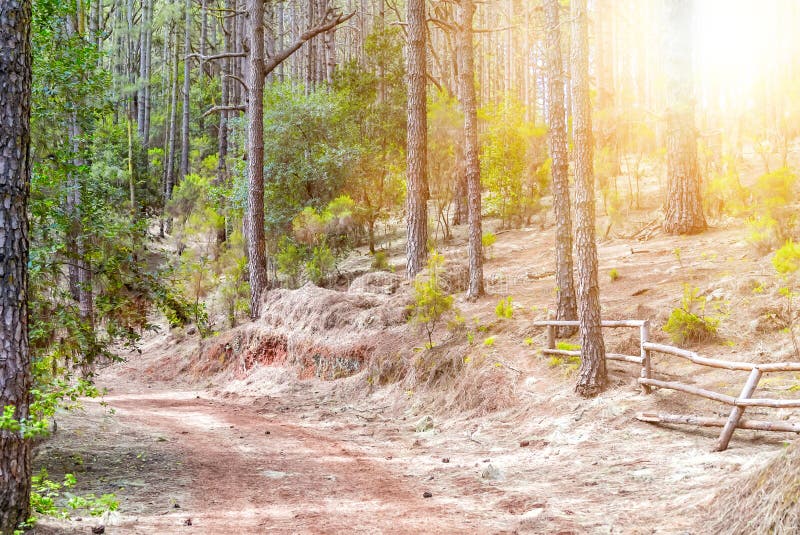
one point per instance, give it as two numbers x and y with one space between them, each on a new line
399 266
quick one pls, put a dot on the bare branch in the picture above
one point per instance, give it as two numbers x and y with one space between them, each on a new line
217 109
330 21
218 56
234 77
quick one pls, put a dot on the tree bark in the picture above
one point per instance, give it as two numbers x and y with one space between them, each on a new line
684 207
187 71
566 307
465 13
592 372
256 244
15 169
417 152
169 164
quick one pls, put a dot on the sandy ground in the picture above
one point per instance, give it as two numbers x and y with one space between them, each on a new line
269 453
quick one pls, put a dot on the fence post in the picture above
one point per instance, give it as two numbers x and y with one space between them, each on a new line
644 337
551 334
736 413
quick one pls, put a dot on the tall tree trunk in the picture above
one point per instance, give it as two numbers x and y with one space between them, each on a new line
15 172
465 13
148 52
169 171
256 244
187 72
417 155
566 307
684 207
592 373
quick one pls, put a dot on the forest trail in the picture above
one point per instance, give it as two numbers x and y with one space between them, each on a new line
208 466
341 457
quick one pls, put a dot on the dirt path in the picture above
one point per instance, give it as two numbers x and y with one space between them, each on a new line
254 469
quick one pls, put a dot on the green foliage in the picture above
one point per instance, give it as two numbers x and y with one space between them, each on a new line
445 154
786 262
290 258
613 274
48 497
762 233
775 219
431 304
511 153
787 258
505 308
380 261
724 193
321 264
234 288
689 322
489 342
569 363
487 241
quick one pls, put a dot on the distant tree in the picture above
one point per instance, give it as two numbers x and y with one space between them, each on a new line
566 307
684 206
15 174
592 373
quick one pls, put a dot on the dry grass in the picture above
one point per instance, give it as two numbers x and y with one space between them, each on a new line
767 501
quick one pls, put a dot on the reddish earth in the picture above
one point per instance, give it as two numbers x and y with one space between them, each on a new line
255 449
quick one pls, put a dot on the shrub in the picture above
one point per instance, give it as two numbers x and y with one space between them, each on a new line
431 303
321 264
505 308
613 274
786 262
689 322
380 262
775 193
488 240
290 258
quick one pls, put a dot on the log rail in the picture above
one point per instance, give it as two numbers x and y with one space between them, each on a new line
647 382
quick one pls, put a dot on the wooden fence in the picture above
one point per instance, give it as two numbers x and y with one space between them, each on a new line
646 380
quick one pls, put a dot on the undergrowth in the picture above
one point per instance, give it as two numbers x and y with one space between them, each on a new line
690 322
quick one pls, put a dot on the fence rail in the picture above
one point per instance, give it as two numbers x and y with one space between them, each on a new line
647 382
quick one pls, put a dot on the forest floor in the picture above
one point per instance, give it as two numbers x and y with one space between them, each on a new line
272 453
269 450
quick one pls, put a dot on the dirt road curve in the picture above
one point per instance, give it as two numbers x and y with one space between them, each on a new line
252 473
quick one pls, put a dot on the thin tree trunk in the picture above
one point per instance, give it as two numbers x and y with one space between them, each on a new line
684 206
256 244
169 180
148 52
592 373
417 152
466 73
566 308
15 172
187 49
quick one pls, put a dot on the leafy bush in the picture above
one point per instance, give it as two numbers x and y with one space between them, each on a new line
488 240
786 262
321 264
613 274
380 261
289 259
689 322
776 219
505 308
762 233
511 153
724 193
431 303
